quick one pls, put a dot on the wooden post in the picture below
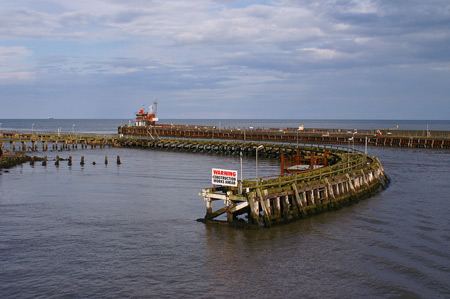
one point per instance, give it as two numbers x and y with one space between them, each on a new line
208 207
297 197
106 160
82 160
57 160
350 183
118 160
285 205
230 215
70 161
254 210
276 207
330 189
304 198
266 214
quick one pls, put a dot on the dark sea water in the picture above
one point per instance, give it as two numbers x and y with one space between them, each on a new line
129 230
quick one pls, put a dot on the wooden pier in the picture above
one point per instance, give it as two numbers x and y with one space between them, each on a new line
388 138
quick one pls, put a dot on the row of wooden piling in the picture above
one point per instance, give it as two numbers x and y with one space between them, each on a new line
46 142
69 160
269 150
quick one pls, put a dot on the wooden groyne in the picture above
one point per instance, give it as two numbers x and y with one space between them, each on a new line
390 138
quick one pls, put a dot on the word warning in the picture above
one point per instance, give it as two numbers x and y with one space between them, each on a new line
224 177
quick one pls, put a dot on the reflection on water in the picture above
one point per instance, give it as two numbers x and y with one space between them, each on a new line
129 230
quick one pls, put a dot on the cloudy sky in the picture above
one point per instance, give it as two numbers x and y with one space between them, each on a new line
295 59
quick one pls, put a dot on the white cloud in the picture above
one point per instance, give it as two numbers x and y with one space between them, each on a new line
12 66
322 54
190 49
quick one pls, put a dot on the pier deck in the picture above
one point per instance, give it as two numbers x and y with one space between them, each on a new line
390 138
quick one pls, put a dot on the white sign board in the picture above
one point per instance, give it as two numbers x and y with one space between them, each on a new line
224 177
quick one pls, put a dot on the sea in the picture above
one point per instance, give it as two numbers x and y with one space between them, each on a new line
130 230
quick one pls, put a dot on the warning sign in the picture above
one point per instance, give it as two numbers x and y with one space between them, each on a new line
224 177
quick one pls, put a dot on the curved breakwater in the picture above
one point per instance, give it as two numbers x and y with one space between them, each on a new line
342 178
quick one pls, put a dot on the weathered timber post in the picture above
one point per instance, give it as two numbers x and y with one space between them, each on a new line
32 161
57 160
254 210
230 215
298 202
330 189
325 193
44 162
82 160
106 160
285 205
277 207
350 183
118 160
70 161
208 207
266 215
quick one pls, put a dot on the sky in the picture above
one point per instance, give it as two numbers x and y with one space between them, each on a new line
211 59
